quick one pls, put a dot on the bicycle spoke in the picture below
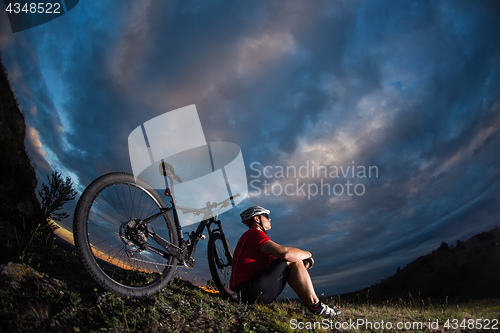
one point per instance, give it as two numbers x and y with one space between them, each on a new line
110 202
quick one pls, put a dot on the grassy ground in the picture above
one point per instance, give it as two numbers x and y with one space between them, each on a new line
55 294
65 300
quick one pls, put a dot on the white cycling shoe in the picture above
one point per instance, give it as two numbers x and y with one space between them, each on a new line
323 311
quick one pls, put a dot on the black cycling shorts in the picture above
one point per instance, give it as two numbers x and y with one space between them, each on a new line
266 286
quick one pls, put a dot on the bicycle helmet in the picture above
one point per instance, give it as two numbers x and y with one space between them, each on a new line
253 211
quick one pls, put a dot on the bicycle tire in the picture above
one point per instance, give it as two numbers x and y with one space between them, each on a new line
100 225
220 264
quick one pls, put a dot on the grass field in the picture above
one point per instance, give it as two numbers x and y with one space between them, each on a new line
41 304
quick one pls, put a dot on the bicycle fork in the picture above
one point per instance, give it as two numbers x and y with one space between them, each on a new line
218 230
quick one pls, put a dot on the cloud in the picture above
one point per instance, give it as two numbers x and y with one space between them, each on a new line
38 156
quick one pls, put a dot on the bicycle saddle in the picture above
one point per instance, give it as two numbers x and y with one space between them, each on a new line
166 169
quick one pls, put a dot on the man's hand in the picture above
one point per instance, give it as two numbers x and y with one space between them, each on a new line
309 262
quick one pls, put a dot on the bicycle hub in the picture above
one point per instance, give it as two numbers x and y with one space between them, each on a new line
137 232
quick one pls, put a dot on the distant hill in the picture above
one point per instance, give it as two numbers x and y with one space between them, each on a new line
469 270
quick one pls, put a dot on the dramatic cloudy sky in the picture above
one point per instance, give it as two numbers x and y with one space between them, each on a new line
410 88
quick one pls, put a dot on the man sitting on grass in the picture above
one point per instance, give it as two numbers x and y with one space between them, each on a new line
261 267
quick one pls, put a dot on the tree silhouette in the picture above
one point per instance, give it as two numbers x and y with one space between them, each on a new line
55 195
443 247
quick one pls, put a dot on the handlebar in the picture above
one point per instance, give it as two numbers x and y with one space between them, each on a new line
226 202
208 206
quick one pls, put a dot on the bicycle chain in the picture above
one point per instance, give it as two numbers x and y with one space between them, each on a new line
160 264
154 263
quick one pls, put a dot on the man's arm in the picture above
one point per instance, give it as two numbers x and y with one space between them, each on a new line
287 253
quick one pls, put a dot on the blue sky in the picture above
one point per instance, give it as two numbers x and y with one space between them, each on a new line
410 88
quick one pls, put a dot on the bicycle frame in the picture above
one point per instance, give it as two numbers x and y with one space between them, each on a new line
185 252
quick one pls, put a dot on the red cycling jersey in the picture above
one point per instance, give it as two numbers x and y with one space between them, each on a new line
248 260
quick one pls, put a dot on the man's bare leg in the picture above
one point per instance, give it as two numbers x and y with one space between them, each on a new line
300 281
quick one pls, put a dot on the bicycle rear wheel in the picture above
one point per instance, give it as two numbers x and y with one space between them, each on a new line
220 257
110 236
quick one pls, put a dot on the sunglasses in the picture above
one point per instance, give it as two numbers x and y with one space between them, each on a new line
265 215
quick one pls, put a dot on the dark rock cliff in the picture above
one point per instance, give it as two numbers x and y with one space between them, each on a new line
18 202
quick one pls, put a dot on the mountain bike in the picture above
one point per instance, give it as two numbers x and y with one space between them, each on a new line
131 242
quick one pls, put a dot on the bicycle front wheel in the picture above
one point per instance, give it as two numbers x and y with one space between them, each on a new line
112 241
220 256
